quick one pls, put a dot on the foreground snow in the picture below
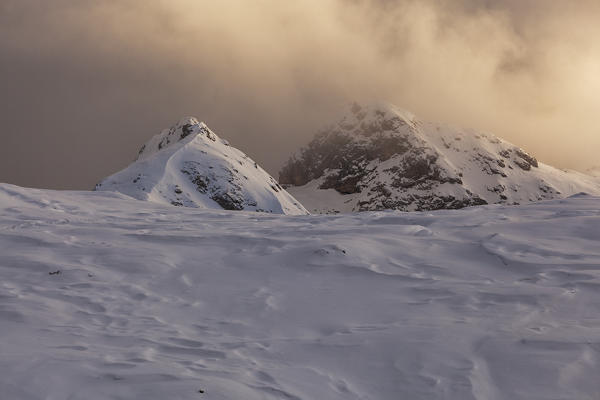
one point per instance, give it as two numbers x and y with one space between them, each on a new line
159 302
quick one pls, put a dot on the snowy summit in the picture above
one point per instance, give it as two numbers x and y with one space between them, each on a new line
377 157
189 165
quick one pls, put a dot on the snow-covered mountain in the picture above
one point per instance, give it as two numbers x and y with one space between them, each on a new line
378 156
189 165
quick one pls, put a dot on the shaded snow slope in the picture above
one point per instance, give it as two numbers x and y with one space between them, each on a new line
156 302
380 157
189 165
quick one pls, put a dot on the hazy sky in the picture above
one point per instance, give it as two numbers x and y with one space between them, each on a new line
84 83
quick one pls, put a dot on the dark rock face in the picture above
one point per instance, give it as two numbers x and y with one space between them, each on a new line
421 203
229 197
227 201
368 145
419 170
336 148
343 184
186 130
527 158
525 166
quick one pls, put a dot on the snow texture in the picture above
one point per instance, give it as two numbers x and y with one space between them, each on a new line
105 297
189 165
378 157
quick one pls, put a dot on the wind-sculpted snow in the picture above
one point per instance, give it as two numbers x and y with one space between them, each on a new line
105 297
189 165
379 157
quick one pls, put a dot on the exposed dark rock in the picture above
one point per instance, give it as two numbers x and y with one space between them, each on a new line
227 201
186 130
230 198
344 185
524 165
526 157
201 183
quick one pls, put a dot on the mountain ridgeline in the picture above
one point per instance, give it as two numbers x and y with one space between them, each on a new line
379 157
375 157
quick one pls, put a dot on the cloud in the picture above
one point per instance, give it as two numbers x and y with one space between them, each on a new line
87 82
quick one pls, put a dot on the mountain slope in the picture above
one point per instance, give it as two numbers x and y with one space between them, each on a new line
380 157
189 165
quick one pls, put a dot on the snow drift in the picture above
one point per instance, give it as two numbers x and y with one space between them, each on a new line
103 297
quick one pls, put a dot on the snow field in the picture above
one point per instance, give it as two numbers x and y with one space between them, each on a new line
159 302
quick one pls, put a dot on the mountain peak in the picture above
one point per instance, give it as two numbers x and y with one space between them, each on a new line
365 119
378 156
187 128
378 109
189 165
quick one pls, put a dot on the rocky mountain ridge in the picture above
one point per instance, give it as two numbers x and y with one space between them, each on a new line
378 157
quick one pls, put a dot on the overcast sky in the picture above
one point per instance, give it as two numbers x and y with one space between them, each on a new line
84 83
